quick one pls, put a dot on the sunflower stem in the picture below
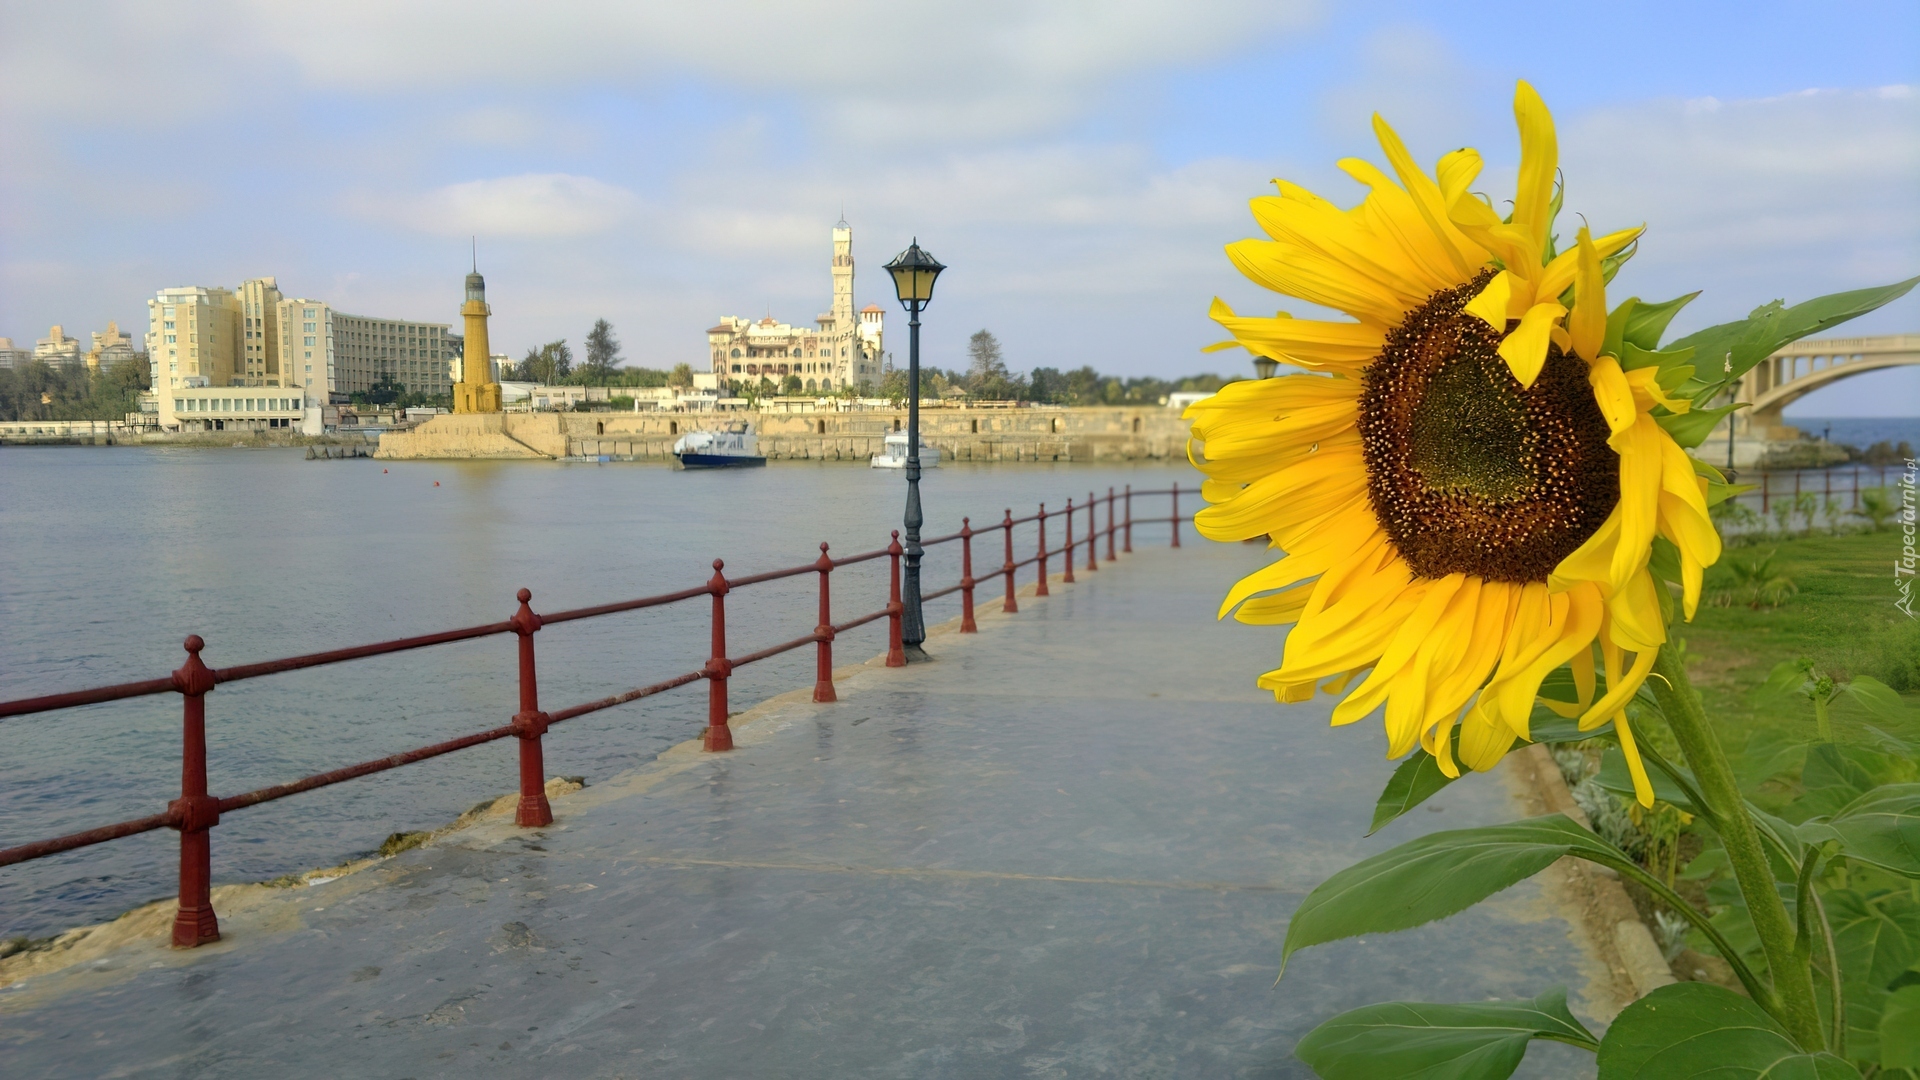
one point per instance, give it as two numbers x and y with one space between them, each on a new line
1792 974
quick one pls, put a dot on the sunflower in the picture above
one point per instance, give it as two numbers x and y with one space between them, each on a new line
1468 478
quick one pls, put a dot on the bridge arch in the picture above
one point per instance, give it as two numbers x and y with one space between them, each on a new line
1806 366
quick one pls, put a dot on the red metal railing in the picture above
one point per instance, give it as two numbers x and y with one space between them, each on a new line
1802 481
195 813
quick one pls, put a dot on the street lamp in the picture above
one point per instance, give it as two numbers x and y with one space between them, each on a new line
1265 366
913 273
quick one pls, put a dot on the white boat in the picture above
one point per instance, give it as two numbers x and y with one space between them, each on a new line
895 455
734 448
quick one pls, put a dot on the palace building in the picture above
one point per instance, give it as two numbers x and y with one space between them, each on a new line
841 350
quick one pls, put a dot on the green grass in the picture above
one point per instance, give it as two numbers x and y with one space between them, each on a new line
1842 617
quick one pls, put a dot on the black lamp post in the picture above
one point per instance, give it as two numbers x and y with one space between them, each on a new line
1265 366
913 273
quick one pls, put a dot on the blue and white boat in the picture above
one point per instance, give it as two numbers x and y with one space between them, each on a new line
894 455
734 448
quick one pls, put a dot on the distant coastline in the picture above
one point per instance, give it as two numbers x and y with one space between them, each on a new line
1860 431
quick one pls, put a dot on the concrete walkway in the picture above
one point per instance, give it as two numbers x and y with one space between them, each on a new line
1067 848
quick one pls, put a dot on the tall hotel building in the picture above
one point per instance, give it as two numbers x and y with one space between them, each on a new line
202 338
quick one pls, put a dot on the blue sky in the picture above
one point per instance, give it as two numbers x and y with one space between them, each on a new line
1078 165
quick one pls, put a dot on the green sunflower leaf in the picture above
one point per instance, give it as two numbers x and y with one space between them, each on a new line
1699 1029
1434 876
1834 778
1646 322
1691 428
1877 936
1877 698
1881 828
1633 356
1900 1029
1730 349
1413 782
1615 778
1419 1041
1615 341
1419 778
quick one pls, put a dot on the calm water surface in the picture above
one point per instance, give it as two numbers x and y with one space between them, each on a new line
114 555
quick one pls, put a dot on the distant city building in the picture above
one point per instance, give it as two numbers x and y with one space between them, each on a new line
58 350
11 357
839 351
109 348
202 337
334 354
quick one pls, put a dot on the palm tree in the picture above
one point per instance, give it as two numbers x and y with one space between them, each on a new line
1877 507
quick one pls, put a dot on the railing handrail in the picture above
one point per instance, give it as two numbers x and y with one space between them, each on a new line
197 811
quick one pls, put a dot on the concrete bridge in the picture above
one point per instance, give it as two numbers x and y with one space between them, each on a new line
1806 366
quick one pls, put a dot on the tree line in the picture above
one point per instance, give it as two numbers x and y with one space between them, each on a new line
38 390
986 378
989 378
552 364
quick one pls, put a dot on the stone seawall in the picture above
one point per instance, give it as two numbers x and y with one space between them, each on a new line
207 439
1080 434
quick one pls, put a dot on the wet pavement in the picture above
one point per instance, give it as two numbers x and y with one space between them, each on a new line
1068 847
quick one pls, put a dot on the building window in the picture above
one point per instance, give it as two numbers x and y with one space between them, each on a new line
736 355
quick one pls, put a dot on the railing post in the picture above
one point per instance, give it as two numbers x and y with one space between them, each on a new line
719 736
823 635
1068 576
529 724
1093 532
1041 589
1176 513
1009 604
1110 530
896 651
194 812
1766 489
966 577
1128 525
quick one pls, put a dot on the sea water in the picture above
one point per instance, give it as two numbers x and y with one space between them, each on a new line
114 555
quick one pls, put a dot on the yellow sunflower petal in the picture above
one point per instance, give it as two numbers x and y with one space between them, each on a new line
1587 323
1620 688
1462 255
1494 301
1312 276
1642 787
1573 620
1525 349
1633 615
1640 473
1613 393
1539 162
1304 342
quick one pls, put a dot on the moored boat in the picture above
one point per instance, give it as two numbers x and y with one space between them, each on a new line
733 448
895 453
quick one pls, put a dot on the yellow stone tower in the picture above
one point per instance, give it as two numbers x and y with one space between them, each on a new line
476 392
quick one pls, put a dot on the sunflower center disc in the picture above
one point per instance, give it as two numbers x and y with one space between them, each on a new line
1467 471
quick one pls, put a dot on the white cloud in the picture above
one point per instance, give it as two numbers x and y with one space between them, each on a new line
1754 199
865 68
542 205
